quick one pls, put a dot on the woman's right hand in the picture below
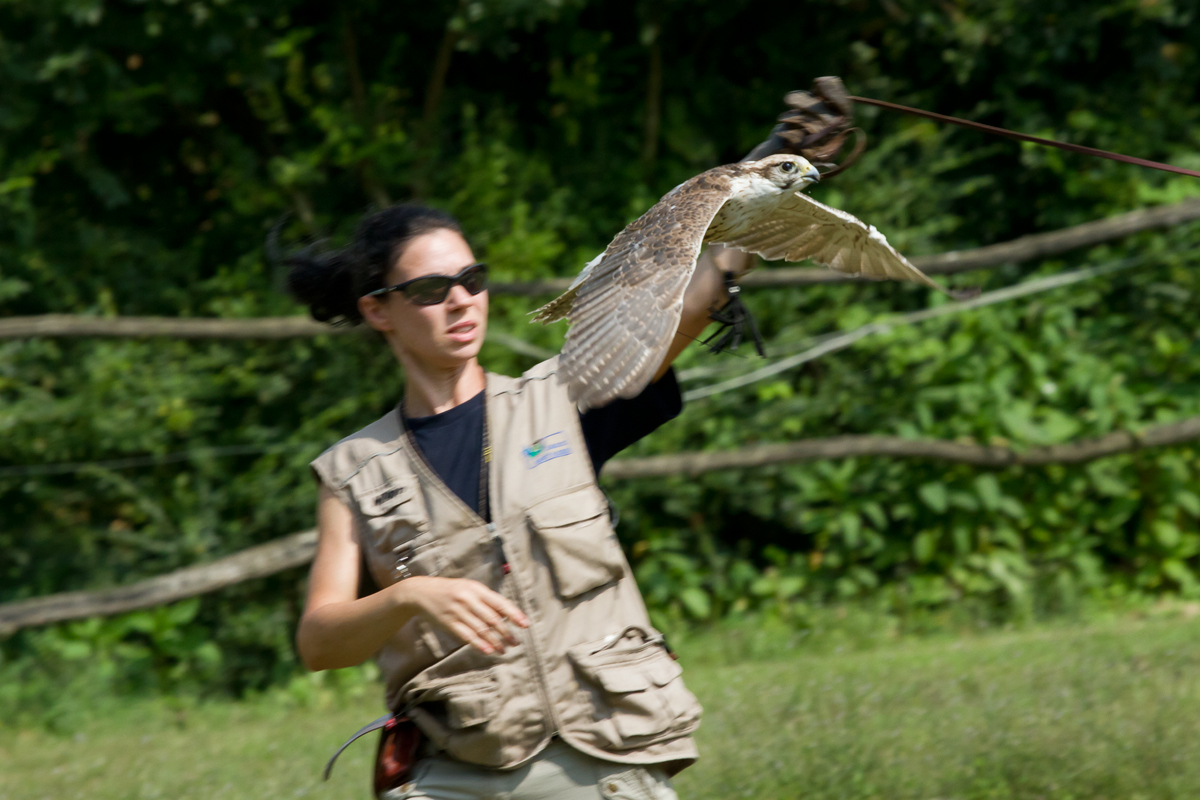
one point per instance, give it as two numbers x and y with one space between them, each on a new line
340 629
465 608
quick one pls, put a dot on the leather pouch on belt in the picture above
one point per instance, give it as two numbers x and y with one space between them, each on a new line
399 741
395 756
579 542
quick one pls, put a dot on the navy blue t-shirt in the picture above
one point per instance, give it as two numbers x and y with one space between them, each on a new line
452 442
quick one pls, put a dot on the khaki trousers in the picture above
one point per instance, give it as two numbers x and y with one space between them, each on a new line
557 773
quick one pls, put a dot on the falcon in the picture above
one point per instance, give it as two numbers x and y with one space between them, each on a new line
625 306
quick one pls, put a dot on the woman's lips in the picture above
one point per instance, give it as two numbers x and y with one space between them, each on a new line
463 332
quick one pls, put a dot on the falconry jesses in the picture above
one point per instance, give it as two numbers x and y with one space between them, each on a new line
625 306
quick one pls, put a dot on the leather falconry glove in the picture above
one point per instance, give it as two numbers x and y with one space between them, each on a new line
815 126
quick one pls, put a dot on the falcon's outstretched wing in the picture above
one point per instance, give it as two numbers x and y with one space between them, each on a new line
801 228
624 313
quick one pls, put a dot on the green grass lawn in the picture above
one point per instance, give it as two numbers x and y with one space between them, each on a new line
1108 710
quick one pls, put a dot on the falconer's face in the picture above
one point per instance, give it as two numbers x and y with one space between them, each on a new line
444 335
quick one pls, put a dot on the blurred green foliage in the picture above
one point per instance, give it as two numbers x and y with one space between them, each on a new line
146 148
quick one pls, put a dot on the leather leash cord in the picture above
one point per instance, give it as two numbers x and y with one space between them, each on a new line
1024 137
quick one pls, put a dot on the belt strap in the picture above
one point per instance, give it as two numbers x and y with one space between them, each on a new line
1024 137
382 722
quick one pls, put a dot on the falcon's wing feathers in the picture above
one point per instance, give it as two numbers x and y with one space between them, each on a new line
557 308
801 228
624 313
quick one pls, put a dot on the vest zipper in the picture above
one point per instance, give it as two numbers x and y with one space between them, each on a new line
534 657
504 565
531 645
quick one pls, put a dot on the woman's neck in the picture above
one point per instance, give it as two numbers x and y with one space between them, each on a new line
430 391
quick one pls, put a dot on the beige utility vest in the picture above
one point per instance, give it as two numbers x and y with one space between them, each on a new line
590 668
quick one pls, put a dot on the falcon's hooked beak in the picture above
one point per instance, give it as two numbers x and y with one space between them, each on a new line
804 179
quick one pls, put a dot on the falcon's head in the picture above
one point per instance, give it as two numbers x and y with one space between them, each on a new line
785 173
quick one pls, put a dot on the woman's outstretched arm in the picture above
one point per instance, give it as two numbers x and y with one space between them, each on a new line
705 294
339 629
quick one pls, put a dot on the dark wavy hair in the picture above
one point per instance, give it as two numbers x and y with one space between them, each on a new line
330 282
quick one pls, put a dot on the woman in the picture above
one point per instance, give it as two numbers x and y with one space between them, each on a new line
506 621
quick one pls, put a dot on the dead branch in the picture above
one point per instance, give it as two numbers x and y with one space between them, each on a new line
177 327
1024 249
255 562
897 447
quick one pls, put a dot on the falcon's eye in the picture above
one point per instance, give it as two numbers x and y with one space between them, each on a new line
788 166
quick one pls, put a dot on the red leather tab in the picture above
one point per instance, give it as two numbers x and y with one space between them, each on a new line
398 744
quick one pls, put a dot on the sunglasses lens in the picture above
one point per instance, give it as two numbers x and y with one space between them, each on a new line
428 291
475 281
433 290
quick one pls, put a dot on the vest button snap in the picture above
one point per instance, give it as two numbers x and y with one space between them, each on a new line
613 787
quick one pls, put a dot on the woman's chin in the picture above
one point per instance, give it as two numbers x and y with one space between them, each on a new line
462 351
442 353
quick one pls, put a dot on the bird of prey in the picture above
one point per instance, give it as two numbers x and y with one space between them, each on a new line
624 307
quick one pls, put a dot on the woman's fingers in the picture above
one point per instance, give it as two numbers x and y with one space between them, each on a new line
464 632
487 632
493 610
506 608
473 613
485 610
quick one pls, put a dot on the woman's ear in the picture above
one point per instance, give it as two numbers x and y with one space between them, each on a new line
373 312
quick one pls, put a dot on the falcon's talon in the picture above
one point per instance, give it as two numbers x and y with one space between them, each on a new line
735 319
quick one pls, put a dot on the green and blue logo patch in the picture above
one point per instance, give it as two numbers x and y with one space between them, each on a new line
546 449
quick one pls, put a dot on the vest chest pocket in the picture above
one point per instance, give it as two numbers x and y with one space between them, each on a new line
642 699
396 525
579 542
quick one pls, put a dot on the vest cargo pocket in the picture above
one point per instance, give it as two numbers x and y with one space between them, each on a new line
472 706
580 544
642 699
460 702
454 713
396 526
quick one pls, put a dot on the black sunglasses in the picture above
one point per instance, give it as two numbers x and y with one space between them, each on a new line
432 289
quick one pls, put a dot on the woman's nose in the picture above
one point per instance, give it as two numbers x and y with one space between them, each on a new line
458 296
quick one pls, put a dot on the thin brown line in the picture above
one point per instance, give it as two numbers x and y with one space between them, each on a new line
1025 137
